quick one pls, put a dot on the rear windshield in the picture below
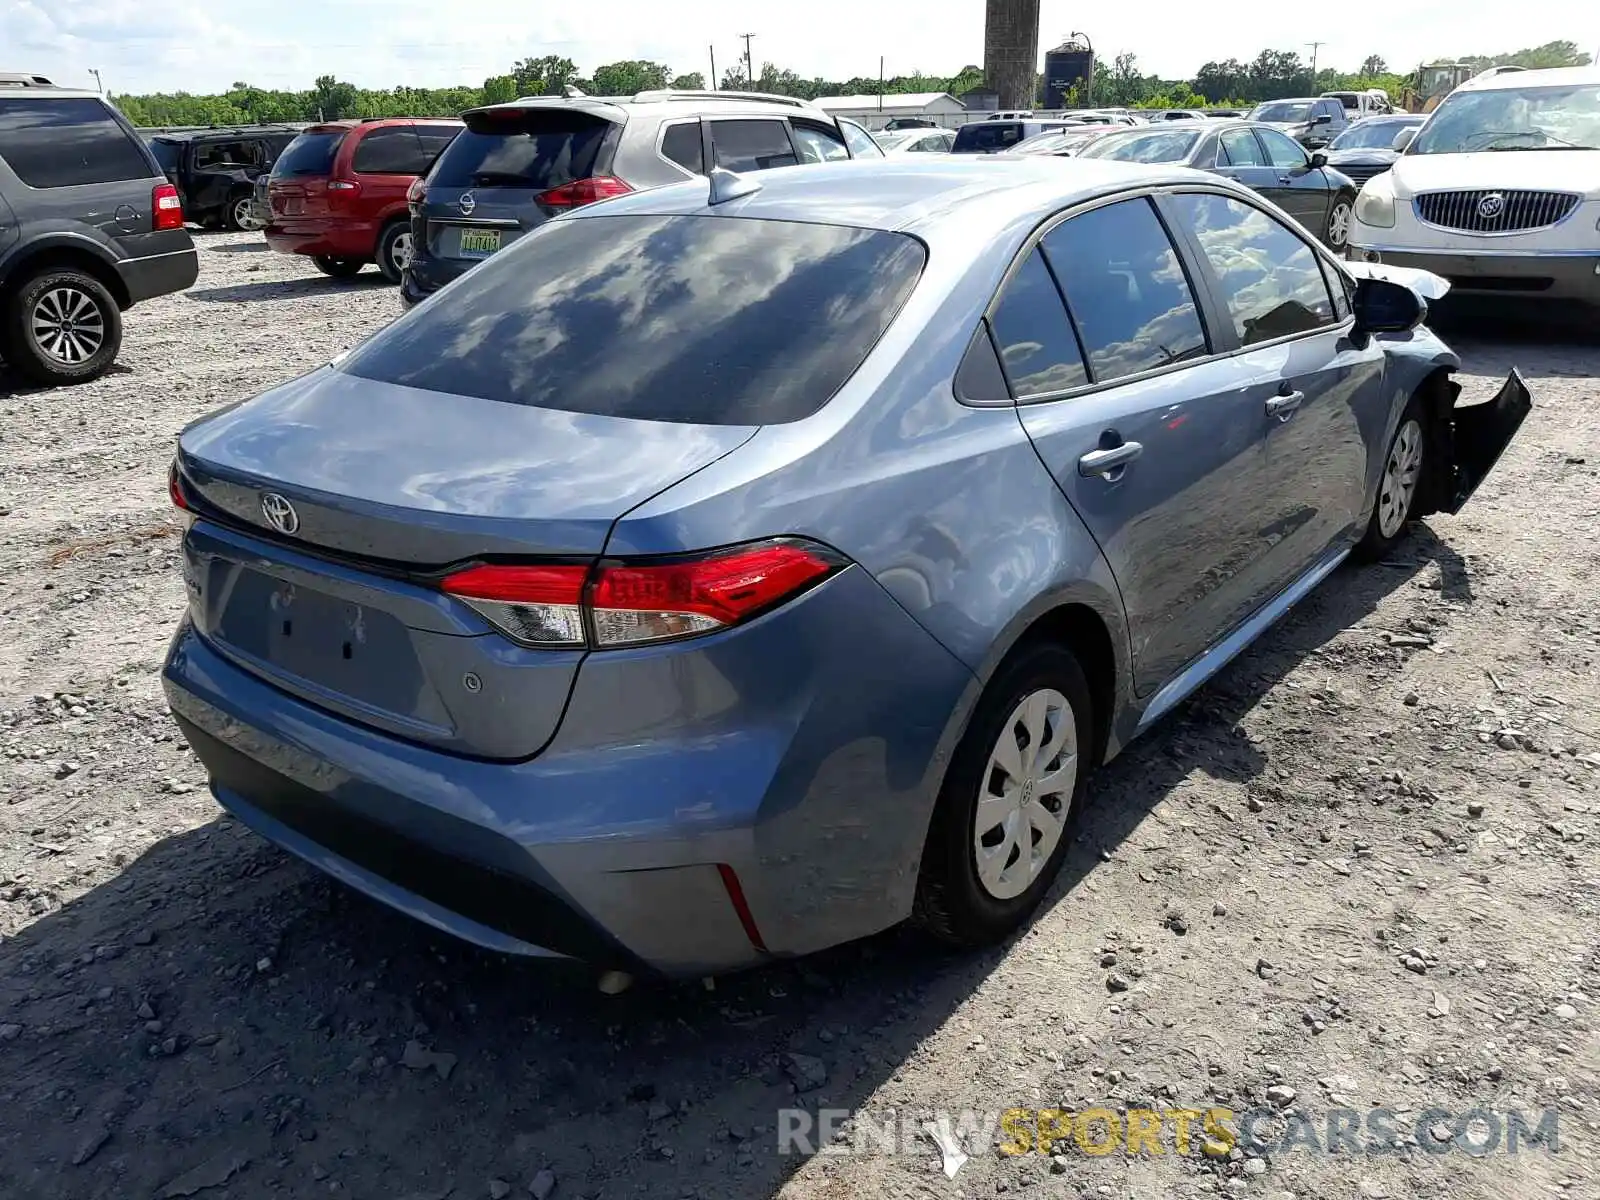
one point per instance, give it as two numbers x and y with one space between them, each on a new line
309 154
707 320
531 150
1144 146
988 135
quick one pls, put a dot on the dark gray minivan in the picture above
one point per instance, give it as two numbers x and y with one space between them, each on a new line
89 226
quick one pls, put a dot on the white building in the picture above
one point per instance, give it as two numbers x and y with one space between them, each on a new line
940 107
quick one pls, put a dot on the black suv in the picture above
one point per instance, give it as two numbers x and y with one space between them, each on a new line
215 170
996 137
88 227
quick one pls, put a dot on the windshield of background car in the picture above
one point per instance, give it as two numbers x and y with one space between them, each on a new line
309 154
1144 145
1370 135
706 320
1282 111
522 149
893 141
1532 118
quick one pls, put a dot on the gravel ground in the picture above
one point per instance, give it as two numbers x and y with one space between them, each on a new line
1352 873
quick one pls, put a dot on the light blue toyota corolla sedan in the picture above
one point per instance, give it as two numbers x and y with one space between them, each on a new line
734 569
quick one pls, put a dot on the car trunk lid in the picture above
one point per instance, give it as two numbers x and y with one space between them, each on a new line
336 502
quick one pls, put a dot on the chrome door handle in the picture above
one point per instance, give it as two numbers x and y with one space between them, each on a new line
1283 406
1103 462
1285 178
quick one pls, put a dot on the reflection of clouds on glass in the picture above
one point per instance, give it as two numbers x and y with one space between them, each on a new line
1518 117
1126 289
1144 146
1270 279
1033 334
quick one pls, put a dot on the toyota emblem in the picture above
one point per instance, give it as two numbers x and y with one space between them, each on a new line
280 514
467 204
1491 206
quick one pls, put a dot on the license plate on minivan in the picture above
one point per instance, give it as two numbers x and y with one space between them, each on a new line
479 243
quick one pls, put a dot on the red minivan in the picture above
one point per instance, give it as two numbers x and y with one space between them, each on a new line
338 192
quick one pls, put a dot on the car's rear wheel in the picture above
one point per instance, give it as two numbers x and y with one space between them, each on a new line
1338 231
1003 820
61 326
1403 466
241 213
339 268
394 250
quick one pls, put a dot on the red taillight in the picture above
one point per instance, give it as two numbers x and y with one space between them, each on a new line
166 207
583 191
416 193
175 494
626 604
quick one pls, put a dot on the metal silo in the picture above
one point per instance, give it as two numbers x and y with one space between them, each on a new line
1011 50
1068 66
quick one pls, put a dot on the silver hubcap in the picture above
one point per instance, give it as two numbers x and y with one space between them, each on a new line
1339 223
402 251
1026 794
244 215
68 326
1400 475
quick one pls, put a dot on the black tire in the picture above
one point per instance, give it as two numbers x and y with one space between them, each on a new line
1383 533
1338 240
48 354
951 902
230 214
339 268
394 245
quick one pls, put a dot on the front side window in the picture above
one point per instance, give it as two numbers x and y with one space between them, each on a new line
1126 290
1270 280
696 319
1283 150
67 141
860 141
1242 149
1033 334
817 145
753 145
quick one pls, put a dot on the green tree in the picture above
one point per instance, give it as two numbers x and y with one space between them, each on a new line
329 99
694 81
1373 64
1230 77
964 80
544 76
1123 86
630 76
499 89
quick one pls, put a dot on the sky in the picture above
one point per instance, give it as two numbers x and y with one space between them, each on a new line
185 45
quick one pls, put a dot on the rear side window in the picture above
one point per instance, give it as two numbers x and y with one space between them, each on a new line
751 145
707 320
63 142
523 149
1126 289
681 144
1034 336
390 150
309 154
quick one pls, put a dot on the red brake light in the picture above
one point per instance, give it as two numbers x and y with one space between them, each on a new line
416 193
166 207
584 191
175 489
626 604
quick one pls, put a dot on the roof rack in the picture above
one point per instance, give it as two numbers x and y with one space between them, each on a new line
665 94
17 79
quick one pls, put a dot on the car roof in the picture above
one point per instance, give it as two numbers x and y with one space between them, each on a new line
229 131
664 101
33 86
905 194
1548 77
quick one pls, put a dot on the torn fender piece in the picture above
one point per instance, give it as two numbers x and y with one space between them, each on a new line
1480 435
1424 283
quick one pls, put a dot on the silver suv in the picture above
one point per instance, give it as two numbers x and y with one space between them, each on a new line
517 165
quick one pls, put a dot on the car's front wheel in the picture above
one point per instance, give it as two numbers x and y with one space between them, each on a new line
1002 823
339 268
1401 481
61 326
1338 232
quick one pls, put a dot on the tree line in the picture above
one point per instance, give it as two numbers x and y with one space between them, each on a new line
1271 75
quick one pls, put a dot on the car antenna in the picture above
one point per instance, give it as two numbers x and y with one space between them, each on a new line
729 185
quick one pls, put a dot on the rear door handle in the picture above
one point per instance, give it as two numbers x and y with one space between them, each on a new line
1283 406
1104 462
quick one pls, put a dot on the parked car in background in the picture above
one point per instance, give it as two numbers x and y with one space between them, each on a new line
1358 106
1497 190
1313 121
1063 143
731 580
1367 147
1156 116
337 194
215 170
996 136
1261 157
898 123
517 165
89 227
1013 114
918 141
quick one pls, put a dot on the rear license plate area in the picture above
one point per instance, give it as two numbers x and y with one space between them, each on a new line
479 243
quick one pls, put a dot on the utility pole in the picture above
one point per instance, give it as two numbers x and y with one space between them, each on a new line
749 63
880 83
1315 46
713 50
97 84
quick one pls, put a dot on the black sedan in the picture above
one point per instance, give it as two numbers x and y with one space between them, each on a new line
1367 147
1258 156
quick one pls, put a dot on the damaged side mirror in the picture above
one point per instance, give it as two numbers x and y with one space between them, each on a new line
1384 307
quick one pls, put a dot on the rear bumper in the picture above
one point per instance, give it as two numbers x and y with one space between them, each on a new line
803 751
425 275
160 274
322 236
1556 277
